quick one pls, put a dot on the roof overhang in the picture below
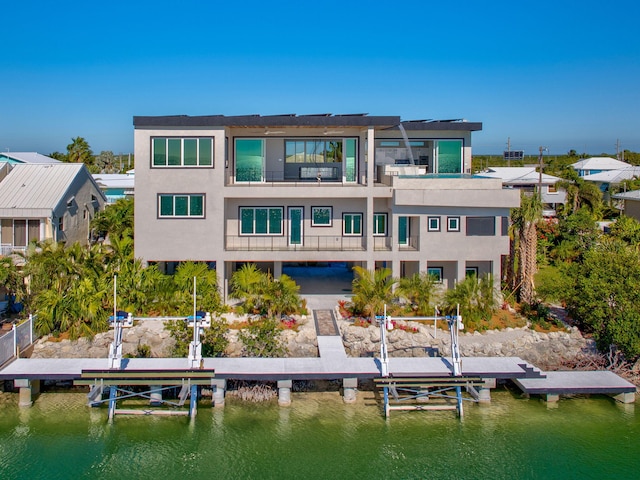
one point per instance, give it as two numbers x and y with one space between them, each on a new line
292 120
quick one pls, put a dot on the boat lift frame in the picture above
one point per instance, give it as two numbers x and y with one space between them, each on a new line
115 378
407 390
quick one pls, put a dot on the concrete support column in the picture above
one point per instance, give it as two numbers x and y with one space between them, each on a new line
284 392
628 397
218 385
27 388
484 391
461 271
395 269
155 397
350 390
277 269
552 397
371 156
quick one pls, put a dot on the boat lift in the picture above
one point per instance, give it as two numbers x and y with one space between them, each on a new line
115 378
415 393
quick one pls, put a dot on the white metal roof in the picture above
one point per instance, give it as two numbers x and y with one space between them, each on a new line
114 180
600 163
614 176
34 191
518 175
27 157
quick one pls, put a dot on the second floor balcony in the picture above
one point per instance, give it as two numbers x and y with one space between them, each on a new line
326 243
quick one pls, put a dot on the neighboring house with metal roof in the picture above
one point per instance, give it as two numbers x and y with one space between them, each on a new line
528 179
47 202
26 157
116 185
613 177
630 203
286 190
590 166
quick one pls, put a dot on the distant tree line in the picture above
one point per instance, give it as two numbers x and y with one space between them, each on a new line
79 151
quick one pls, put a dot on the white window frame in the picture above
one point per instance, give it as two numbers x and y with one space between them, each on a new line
436 227
313 217
453 224
375 224
344 224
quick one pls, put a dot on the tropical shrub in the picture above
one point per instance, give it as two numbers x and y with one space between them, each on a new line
476 299
214 339
262 338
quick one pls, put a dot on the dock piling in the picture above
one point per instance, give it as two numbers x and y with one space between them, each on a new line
350 389
218 385
284 392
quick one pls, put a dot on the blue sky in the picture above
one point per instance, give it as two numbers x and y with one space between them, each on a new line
562 74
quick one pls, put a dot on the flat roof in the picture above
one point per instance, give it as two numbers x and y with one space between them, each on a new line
312 120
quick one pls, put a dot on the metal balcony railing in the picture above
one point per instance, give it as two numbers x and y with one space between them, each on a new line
308 243
329 243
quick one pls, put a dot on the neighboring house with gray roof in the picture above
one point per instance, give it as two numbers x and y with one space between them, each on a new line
26 157
631 203
41 202
116 185
528 179
613 177
593 165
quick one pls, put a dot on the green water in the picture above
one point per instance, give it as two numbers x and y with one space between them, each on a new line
320 437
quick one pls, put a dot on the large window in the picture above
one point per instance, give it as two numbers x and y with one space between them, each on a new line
182 152
261 220
380 224
249 160
403 230
321 216
449 156
181 206
352 224
481 226
313 151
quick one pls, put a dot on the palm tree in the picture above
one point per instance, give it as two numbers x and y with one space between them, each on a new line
281 296
476 298
372 290
79 151
208 295
525 221
419 291
115 220
247 283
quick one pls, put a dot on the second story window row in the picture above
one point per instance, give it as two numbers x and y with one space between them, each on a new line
182 152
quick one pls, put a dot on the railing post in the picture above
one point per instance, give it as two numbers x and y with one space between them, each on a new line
30 329
16 352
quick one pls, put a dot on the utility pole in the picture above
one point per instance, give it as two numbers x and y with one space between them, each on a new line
540 165
508 151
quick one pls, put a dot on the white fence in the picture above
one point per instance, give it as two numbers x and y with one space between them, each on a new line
16 340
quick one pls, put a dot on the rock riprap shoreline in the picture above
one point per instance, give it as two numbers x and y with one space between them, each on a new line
532 346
